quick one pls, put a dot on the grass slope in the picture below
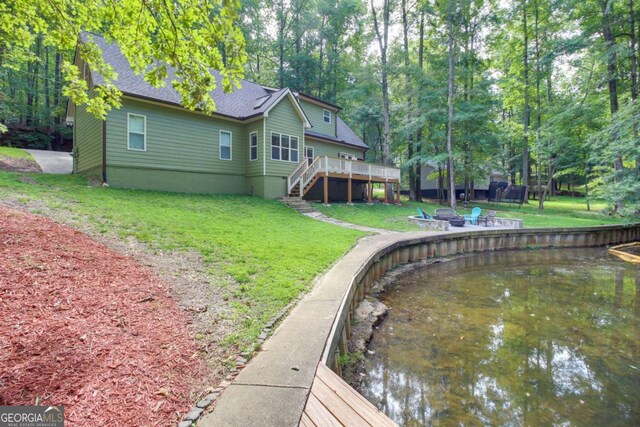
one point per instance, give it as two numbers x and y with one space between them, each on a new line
559 212
262 253
15 153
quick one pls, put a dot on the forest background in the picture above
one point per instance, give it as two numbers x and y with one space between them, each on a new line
543 91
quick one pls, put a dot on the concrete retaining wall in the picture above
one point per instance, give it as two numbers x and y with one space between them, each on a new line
430 224
425 247
274 386
434 224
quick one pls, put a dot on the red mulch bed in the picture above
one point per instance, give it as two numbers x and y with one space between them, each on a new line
87 328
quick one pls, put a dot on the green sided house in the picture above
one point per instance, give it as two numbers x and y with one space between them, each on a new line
262 141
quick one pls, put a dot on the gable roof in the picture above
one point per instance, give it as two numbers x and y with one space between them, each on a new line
273 101
250 100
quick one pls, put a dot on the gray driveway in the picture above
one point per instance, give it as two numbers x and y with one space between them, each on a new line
53 161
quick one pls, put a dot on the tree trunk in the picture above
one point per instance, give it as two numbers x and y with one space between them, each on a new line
452 186
440 185
538 107
407 74
282 22
607 10
56 100
527 111
298 47
634 57
634 73
47 96
550 183
321 60
382 44
418 148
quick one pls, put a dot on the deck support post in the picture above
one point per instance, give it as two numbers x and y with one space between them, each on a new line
370 192
326 190
386 193
349 193
398 192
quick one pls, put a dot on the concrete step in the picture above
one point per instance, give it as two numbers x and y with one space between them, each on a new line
298 204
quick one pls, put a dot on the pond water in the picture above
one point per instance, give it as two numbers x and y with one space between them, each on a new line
548 337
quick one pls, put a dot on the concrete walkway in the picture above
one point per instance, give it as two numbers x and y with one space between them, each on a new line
324 218
56 162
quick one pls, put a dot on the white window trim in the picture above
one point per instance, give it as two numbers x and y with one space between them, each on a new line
324 110
251 146
313 151
144 135
230 145
280 159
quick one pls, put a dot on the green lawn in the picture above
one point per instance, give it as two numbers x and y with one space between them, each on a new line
559 212
262 253
15 153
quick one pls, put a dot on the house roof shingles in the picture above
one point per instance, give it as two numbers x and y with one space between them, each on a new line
344 135
250 100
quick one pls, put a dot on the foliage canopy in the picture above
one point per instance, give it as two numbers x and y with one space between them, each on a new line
191 36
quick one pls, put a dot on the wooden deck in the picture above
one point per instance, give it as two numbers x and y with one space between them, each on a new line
305 175
332 402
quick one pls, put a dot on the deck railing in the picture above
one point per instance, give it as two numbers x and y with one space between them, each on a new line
327 165
312 170
294 176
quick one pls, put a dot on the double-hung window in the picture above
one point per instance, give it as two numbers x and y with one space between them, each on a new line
327 116
253 146
294 149
284 150
284 147
137 132
275 146
225 145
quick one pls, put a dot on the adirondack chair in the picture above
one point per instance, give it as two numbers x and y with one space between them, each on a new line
422 214
473 217
488 218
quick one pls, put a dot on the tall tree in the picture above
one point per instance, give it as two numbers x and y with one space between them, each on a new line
606 7
413 189
383 43
450 49
527 108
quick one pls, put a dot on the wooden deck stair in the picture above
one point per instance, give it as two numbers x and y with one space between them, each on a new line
295 191
311 183
332 402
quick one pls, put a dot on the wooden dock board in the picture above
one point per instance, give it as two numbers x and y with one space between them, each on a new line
332 402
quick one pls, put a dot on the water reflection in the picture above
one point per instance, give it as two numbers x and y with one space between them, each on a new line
514 338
